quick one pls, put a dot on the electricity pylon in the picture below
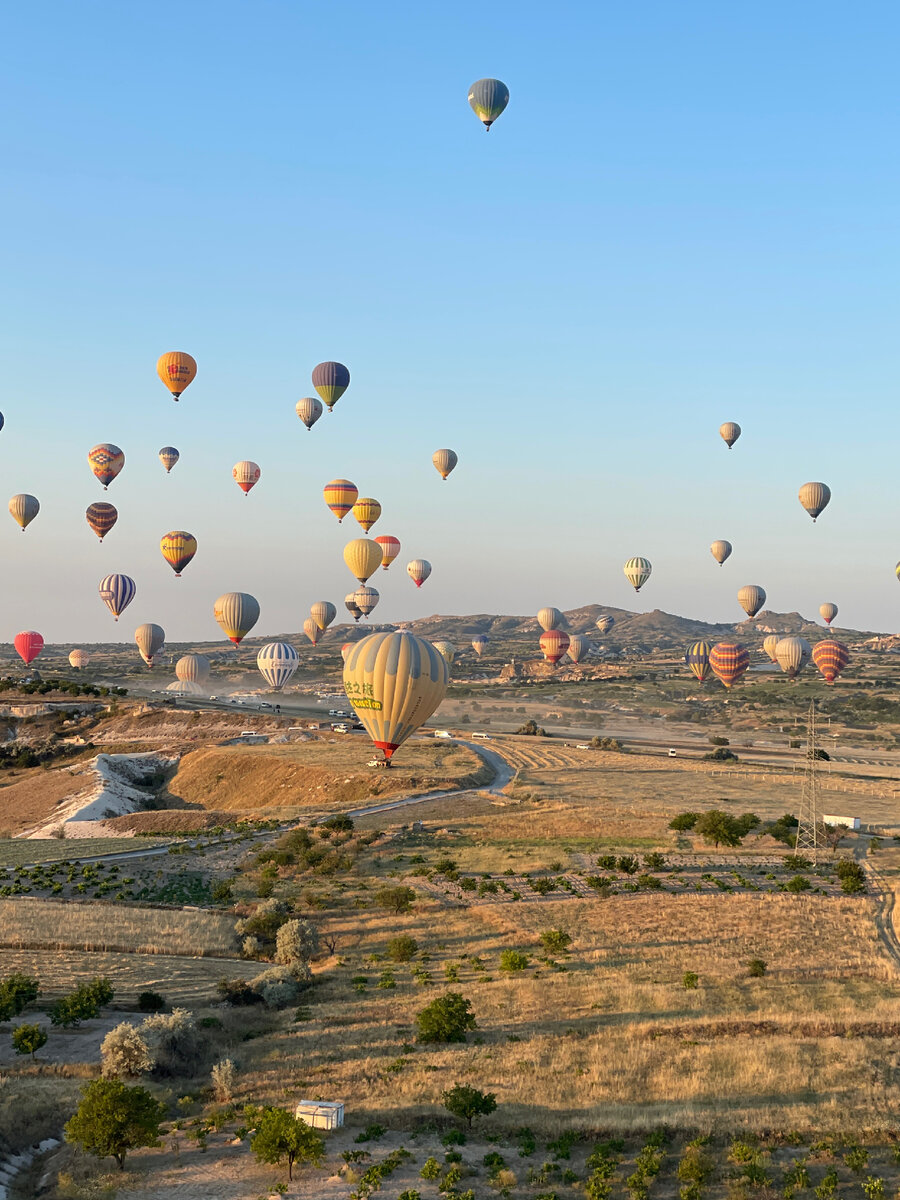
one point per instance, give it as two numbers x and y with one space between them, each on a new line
808 816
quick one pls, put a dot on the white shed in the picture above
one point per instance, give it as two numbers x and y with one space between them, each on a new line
321 1114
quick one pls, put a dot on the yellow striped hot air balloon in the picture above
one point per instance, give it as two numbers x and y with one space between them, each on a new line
697 658
340 496
394 681
554 643
178 548
236 614
444 462
367 511
814 497
363 558
176 369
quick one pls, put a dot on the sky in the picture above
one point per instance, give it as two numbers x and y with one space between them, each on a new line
687 214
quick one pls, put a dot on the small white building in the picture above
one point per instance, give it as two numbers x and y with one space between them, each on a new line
849 822
321 1114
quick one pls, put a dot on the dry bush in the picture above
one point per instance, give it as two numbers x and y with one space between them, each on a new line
281 986
223 1076
124 1053
176 1045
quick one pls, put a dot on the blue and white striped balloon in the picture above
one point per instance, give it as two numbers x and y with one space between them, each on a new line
277 662
117 592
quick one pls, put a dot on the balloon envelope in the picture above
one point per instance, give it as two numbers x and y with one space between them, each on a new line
578 647
277 662
192 668
479 643
79 659
365 598
331 380
117 592
418 571
28 645
169 456
246 474
323 613
729 662
178 547
176 369
390 548
605 624
444 462
487 99
447 651
554 644
106 461
236 614
814 497
308 409
24 508
720 550
792 653
828 612
101 518
831 657
150 640
729 433
751 598
340 496
769 645
549 618
637 572
351 606
312 630
363 558
697 658
367 511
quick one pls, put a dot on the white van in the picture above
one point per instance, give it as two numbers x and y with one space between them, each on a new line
443 733
482 737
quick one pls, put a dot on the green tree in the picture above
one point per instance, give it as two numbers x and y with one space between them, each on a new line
28 1039
395 899
468 1103
718 828
402 948
282 1137
113 1118
684 821
16 991
513 960
446 1019
555 941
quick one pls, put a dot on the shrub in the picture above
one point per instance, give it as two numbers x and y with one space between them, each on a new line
453 1137
17 991
175 1043
684 821
402 948
873 1188
223 1077
513 960
28 1039
340 823
852 876
468 1102
690 980
655 861
151 1002
371 1133
124 1052
282 1137
696 1166
431 1169
627 864
238 992
445 1019
650 882
395 899
756 968
531 729
282 986
555 941
296 942
799 883
113 1119
722 754
857 1159
221 892
607 862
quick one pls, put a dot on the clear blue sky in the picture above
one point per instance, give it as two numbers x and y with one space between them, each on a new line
688 213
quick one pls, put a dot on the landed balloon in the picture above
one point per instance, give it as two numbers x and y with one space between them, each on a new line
312 630
150 640
309 409
828 612
176 369
367 511
169 456
394 681
277 662
549 618
605 624
246 475
697 658
331 380
236 614
479 643
340 496
323 613
390 548
578 647
792 653
351 606
192 668
418 571
23 509
444 462
28 645
637 572
79 659
101 518
751 599
117 592
365 599
729 662
363 558
178 547
487 100
720 550
814 497
831 657
106 461
769 645
554 644
447 651
729 433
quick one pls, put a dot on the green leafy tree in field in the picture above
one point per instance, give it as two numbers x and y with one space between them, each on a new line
395 899
17 991
83 1004
446 1019
282 1137
113 1118
718 828
684 821
28 1039
467 1103
513 960
402 948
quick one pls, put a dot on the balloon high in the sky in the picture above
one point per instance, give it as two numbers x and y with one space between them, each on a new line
549 618
814 497
117 592
792 653
351 606
24 508
390 548
340 496
323 613
236 614
192 668
487 99
697 658
828 612
28 645
578 647
751 599
106 461
79 659
150 640
246 474
178 547
729 433
331 380
729 662
365 598
308 409
394 681
169 456
769 645
367 511
312 630
720 550
479 643
831 657
637 572
554 644
176 369
605 623
101 518
277 662
418 570
363 558
447 651
444 462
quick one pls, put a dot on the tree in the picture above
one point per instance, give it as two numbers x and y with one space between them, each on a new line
555 941
16 991
281 1137
468 1102
402 948
296 942
721 754
28 1039
113 1118
718 828
124 1052
395 899
532 729
684 821
445 1019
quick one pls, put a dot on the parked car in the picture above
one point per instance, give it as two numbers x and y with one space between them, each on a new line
482 737
673 754
340 727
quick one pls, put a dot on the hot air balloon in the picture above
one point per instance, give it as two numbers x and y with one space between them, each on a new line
277 662
150 640
697 658
729 662
828 612
351 606
831 657
367 511
246 475
346 648
729 433
236 614
323 613
28 645
751 599
176 369
444 462
79 659
605 624
363 558
169 456
769 645
447 651
178 548
418 571
720 550
365 598
192 668
637 572
390 548
479 643
2 421
312 630
101 518
814 497
340 496
578 647
487 99
554 644
331 380
394 681
106 461
792 654
308 409
549 618
117 592
23 509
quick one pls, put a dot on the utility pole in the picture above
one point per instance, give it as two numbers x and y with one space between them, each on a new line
808 817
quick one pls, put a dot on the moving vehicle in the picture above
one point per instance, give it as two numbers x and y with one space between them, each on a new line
482 737
673 754
340 727
442 733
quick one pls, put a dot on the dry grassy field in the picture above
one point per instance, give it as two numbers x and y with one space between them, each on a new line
16 852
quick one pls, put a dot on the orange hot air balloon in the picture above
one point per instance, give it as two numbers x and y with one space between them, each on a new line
831 657
106 461
178 548
246 475
340 496
729 662
367 511
554 644
390 548
176 369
